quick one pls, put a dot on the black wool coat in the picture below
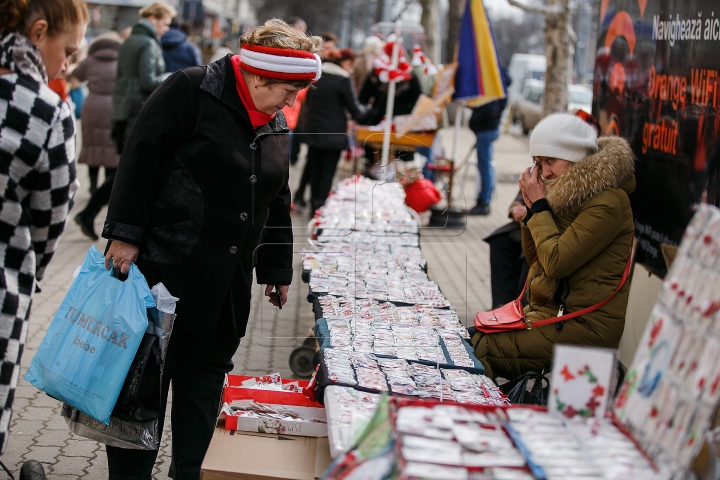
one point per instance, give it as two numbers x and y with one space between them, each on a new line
205 197
324 111
375 93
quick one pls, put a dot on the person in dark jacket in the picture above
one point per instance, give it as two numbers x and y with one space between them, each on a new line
508 267
200 200
374 92
140 70
178 51
140 67
485 122
324 124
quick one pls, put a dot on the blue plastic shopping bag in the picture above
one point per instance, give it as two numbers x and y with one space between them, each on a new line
87 351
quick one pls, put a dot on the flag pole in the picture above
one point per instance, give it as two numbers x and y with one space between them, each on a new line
384 160
456 143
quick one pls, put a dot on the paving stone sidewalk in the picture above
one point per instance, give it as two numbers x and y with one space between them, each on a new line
457 260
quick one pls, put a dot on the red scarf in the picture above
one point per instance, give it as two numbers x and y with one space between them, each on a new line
257 118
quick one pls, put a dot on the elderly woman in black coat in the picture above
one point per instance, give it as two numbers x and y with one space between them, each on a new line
324 116
201 198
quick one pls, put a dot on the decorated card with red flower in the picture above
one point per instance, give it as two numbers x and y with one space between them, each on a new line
582 378
653 360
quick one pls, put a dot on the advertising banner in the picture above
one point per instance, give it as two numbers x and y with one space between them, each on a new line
656 84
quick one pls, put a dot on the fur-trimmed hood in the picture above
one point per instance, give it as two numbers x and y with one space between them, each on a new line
611 166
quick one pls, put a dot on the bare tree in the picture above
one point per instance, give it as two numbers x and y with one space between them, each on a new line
429 21
559 43
322 15
513 35
455 12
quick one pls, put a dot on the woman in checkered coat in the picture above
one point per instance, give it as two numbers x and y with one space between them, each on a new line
37 163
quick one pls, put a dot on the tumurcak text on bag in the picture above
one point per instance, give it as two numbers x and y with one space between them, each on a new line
96 328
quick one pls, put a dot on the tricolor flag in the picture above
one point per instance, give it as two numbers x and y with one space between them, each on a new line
478 79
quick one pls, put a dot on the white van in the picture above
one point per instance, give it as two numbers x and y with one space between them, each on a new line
523 67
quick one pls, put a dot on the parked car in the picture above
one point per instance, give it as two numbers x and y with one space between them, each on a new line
524 67
528 108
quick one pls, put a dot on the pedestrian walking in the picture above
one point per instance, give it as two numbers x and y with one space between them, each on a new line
324 123
98 70
140 69
178 51
485 123
38 164
199 186
372 49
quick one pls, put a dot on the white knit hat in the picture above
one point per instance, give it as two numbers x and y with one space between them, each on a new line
563 136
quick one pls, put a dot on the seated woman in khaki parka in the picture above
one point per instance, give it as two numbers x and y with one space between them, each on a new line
580 227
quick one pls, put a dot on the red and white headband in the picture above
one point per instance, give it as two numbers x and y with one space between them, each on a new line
280 63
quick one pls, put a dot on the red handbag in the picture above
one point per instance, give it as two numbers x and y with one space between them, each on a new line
511 316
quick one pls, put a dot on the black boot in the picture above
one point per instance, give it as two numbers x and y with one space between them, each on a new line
93 178
86 225
32 470
481 208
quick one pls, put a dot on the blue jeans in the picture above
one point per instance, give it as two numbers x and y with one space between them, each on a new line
486 173
427 153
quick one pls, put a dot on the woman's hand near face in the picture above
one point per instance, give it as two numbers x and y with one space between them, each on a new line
518 212
121 255
531 186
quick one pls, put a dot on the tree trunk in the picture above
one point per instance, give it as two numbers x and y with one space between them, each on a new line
429 21
557 51
455 12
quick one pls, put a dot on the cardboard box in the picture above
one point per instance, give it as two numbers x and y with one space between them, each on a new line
296 401
257 456
283 427
235 391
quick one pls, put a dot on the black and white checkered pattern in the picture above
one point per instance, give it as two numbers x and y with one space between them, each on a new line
37 183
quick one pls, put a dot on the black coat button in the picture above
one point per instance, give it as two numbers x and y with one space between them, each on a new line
233 250
253 179
243 216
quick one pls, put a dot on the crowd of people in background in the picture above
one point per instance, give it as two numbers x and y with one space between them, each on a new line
109 79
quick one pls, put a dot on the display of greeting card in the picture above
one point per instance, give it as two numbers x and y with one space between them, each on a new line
581 381
673 385
652 361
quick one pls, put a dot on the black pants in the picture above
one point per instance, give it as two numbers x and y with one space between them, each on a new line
94 173
508 268
101 197
321 165
197 368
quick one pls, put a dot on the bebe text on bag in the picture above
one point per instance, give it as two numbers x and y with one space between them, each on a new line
92 340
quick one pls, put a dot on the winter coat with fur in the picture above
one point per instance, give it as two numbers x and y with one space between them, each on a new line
582 246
